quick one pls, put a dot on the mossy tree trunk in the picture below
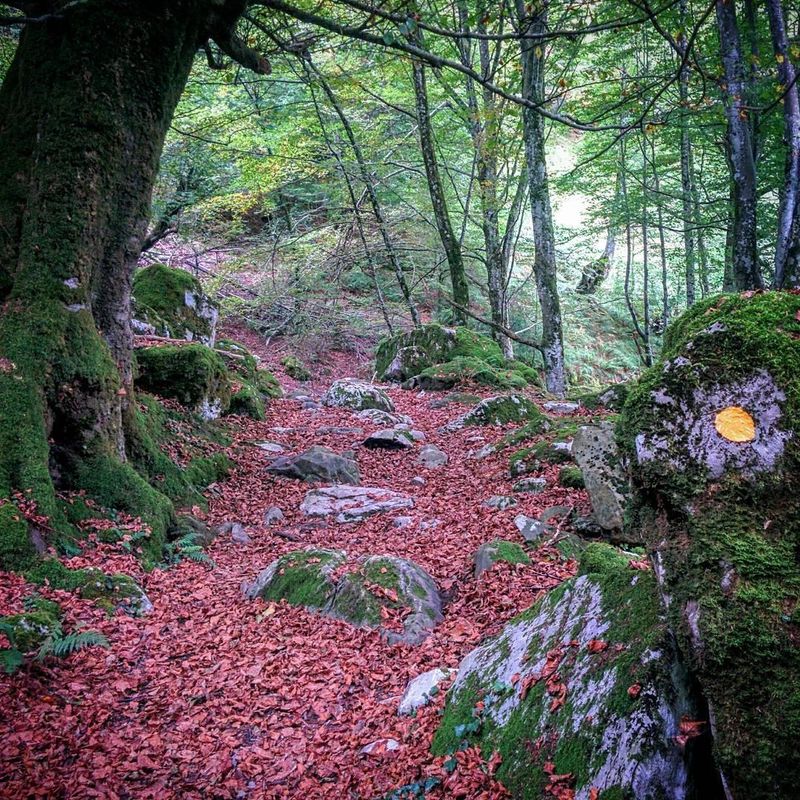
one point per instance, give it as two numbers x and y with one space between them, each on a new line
84 110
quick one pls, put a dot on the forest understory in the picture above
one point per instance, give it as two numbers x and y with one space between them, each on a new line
216 695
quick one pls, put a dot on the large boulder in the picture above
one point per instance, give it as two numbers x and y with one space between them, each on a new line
435 357
594 448
584 688
170 302
501 409
389 439
318 464
365 597
193 374
357 395
712 437
391 583
353 503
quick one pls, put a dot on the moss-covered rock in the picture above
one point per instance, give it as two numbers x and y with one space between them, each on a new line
192 374
455 398
247 402
172 303
302 578
393 583
535 458
613 397
242 364
499 410
357 395
719 507
571 477
555 687
115 592
491 553
17 550
29 631
295 368
465 369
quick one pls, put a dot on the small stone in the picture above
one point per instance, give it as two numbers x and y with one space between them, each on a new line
418 480
339 430
317 464
430 523
389 439
561 407
431 457
587 527
530 485
402 522
236 530
553 512
419 691
270 447
353 503
381 746
530 529
273 516
500 501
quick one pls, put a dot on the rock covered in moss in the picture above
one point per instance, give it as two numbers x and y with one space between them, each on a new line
393 583
172 303
295 368
582 681
29 631
571 477
712 436
353 503
358 395
247 402
490 553
193 374
613 398
116 592
421 689
455 398
386 419
501 409
307 578
302 578
389 439
318 464
465 369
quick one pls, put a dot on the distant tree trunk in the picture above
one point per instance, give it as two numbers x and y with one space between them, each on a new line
595 272
787 247
369 187
746 268
662 245
450 244
532 58
646 326
686 165
483 129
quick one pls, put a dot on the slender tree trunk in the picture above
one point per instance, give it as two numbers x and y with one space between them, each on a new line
787 246
483 129
450 244
84 110
662 245
686 165
532 57
746 269
646 326
369 186
595 272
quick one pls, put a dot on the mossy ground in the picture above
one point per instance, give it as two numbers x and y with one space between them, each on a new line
295 368
300 578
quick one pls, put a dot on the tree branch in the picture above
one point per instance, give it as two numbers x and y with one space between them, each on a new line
494 325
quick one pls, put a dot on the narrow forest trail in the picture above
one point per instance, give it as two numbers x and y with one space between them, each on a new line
213 695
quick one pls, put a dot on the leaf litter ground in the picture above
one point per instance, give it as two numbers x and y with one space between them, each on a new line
212 695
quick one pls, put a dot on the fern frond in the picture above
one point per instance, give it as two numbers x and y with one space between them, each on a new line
11 660
67 645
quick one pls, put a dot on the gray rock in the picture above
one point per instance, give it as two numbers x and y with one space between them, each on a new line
386 419
421 689
500 501
389 439
530 485
311 405
554 512
339 430
402 522
560 407
417 436
498 410
273 516
317 465
530 529
587 527
302 577
358 395
271 447
430 523
631 736
595 451
236 531
353 503
418 480
430 456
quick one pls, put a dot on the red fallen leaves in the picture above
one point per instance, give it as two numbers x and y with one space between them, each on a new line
558 786
643 564
596 646
634 690
213 695
689 729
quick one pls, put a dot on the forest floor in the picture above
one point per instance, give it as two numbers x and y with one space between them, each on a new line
216 696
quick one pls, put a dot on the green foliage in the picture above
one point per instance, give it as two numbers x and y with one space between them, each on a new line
295 368
571 477
247 402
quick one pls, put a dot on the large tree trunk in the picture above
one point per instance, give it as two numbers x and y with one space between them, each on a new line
746 269
532 57
84 111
